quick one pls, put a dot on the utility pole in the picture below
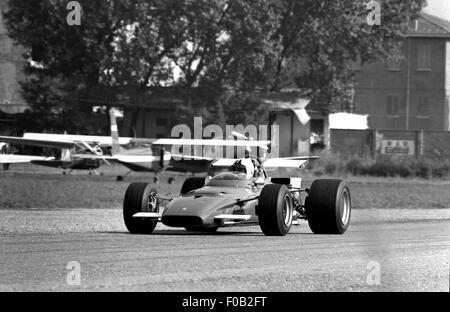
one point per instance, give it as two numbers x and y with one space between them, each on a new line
408 83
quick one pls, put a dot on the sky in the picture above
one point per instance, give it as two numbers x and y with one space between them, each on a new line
440 8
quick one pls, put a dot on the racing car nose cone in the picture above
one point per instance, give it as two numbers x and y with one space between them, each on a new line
185 211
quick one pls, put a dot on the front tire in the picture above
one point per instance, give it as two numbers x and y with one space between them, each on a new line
328 207
275 210
138 199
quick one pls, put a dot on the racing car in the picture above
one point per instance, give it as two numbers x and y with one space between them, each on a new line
240 192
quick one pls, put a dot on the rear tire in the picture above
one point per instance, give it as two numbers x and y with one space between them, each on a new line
137 199
328 207
275 210
192 184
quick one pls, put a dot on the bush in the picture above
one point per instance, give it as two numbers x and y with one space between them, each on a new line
383 166
421 169
354 166
328 164
441 172
358 165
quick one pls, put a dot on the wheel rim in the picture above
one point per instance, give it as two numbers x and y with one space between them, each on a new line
287 211
345 208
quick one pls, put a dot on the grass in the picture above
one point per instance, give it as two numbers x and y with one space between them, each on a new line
50 189
38 187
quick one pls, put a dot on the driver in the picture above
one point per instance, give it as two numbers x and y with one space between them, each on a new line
244 165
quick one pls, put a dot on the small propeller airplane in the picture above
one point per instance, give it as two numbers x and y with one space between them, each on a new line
68 147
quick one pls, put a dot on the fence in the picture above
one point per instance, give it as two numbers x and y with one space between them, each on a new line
374 142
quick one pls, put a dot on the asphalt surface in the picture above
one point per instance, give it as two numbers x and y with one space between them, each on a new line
381 251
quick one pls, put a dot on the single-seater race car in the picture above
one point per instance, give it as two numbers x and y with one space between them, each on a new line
241 193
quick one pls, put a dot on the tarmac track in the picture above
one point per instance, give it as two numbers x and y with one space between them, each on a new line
411 255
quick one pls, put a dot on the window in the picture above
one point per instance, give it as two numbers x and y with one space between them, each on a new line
424 57
392 106
423 110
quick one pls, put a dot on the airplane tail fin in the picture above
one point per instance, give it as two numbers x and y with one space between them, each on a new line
115 147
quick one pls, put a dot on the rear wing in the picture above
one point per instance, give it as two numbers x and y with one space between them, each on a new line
225 162
271 163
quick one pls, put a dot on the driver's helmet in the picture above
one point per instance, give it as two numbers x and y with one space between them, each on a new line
244 165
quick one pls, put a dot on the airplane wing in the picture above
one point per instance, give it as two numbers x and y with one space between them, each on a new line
18 159
101 140
300 158
37 142
142 140
131 158
47 141
190 157
200 142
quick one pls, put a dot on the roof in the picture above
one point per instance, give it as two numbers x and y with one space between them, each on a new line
150 97
428 25
293 99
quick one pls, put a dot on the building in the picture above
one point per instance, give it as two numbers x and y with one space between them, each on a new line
302 124
304 127
148 112
11 70
414 93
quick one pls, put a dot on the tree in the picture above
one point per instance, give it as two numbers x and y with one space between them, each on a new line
63 60
230 48
310 44
323 38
